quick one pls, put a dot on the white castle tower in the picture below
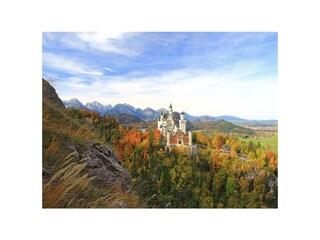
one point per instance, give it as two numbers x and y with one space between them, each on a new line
166 122
183 123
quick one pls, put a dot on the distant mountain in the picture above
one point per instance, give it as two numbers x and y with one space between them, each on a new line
165 111
98 107
270 122
149 114
73 103
204 118
228 118
207 118
189 117
122 108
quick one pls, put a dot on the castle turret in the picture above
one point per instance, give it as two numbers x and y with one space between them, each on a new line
182 117
183 123
162 124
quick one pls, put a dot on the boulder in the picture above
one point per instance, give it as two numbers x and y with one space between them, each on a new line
102 163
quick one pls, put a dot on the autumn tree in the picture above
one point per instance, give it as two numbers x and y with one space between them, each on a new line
218 141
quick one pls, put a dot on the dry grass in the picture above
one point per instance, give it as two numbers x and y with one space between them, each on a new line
60 132
70 187
63 187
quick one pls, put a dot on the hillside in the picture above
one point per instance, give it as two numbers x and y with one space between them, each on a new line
221 126
126 118
77 157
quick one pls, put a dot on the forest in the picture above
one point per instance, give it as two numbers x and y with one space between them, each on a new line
245 177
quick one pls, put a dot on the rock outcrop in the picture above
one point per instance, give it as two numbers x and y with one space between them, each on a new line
103 164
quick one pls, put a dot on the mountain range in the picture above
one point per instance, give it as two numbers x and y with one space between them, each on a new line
150 114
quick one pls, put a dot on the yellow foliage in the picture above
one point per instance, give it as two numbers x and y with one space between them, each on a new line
167 162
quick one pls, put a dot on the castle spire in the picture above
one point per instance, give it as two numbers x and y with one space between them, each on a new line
170 109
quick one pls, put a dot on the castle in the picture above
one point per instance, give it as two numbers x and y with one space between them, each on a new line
175 136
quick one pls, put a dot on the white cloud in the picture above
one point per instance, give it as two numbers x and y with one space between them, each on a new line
112 42
109 69
99 36
67 65
107 42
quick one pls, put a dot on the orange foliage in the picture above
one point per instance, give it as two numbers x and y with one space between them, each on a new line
270 155
157 134
273 159
219 140
134 138
130 141
85 113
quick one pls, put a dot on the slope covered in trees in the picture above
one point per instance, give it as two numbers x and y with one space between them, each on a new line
125 119
244 178
220 126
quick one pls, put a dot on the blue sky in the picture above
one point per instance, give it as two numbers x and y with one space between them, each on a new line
202 73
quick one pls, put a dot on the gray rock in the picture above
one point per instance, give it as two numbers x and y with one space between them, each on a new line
105 166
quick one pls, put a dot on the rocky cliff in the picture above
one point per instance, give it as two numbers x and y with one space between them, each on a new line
103 164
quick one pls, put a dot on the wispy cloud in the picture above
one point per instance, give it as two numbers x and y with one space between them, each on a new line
109 69
107 42
67 65
110 42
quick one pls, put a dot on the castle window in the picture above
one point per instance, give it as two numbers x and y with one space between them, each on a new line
179 142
